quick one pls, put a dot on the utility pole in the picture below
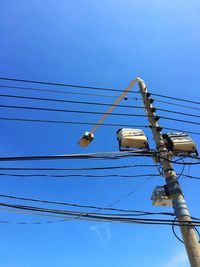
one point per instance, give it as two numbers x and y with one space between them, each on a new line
179 205
165 157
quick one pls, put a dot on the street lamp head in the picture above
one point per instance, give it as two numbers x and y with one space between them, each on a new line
86 139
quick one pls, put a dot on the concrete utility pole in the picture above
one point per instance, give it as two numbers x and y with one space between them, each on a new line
180 208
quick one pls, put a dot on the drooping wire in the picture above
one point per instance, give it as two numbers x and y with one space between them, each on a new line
130 193
173 230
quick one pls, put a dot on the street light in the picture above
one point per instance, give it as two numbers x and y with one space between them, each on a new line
87 138
174 191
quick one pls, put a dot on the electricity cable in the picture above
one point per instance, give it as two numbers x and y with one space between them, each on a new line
77 169
92 103
92 123
89 87
85 206
94 95
92 112
78 175
102 155
111 218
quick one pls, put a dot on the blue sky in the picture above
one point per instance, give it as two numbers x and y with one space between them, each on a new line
104 44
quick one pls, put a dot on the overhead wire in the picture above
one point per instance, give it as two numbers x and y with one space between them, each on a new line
180 163
89 87
72 122
92 123
92 112
92 103
79 175
93 95
96 217
100 155
84 206
130 193
78 169
94 176
66 218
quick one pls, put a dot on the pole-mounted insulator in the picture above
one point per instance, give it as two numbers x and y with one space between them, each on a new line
153 110
148 94
156 118
159 129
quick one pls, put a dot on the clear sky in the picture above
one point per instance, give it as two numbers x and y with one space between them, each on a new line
103 44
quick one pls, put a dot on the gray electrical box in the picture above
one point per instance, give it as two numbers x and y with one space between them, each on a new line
160 197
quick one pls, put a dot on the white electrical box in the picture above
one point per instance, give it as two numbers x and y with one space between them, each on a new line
179 142
160 197
129 138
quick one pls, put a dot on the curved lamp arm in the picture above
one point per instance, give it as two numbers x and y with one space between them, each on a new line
87 138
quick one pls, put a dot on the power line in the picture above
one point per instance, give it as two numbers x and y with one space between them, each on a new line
181 163
93 95
92 123
65 101
79 169
101 155
83 216
84 206
62 84
92 112
92 103
130 193
90 87
93 175
67 218
191 177
177 98
73 122
78 175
